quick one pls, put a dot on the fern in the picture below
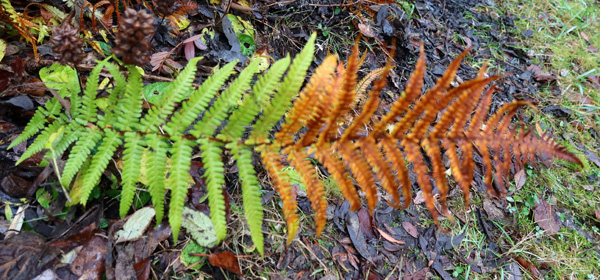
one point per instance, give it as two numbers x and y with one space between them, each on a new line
132 158
215 179
181 153
175 93
100 160
158 144
157 166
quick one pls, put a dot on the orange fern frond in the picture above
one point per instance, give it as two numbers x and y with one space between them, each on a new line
406 139
19 23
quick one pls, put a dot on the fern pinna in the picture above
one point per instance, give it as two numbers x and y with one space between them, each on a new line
157 145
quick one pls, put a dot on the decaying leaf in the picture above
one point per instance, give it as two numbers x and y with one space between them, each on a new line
199 226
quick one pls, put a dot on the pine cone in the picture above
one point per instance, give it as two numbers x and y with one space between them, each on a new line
165 8
132 42
67 44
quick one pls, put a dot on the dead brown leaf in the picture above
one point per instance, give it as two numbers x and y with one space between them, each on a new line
390 238
226 260
539 75
412 230
520 179
545 216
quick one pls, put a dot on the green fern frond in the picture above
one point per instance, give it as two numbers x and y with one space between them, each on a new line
215 179
157 166
132 160
253 208
288 90
181 153
37 122
100 160
199 101
220 109
40 142
79 154
176 93
130 107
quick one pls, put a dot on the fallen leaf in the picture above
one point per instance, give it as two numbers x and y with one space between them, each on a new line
420 198
90 261
390 238
226 260
412 230
546 217
592 49
199 226
593 158
540 75
357 236
588 187
597 212
366 30
529 266
520 179
136 225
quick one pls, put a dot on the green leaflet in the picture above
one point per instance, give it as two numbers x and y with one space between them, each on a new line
117 92
215 179
250 193
132 158
40 142
82 149
100 160
157 170
130 108
37 122
181 153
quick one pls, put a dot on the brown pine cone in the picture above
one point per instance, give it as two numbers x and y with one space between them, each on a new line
132 42
67 44
165 8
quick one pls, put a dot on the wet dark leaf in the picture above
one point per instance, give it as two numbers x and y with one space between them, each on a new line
89 263
356 235
527 33
558 111
21 101
364 220
142 269
25 255
226 260
15 186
